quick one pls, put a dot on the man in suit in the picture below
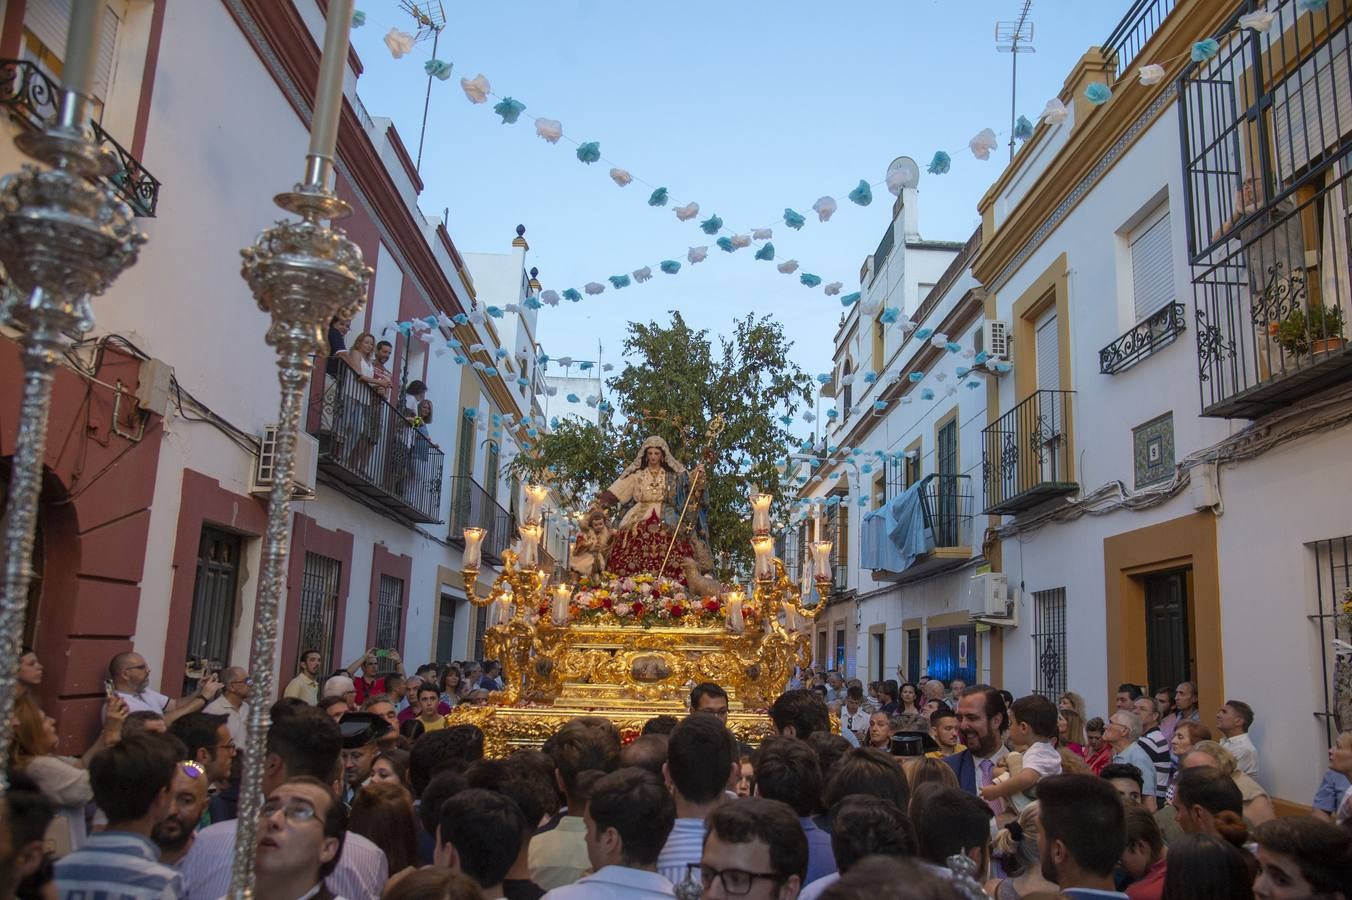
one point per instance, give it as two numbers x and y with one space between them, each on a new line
982 720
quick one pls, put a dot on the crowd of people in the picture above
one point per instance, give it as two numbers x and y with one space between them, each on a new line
929 790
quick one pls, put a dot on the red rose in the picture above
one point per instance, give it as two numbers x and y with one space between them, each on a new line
606 603
544 610
677 611
637 607
711 605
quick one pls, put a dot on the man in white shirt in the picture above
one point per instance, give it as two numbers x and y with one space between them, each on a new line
629 817
701 760
1234 721
479 834
853 716
305 686
233 703
130 677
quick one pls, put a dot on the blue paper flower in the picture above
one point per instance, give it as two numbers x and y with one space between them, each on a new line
793 220
1204 50
573 398
787 420
863 195
572 294
766 253
809 279
522 381
509 109
543 359
870 377
890 315
980 358
554 422
453 343
619 281
953 347
963 371
823 378
973 384
500 353
358 18
405 328
850 299
438 69
1098 93
459 360
460 319
923 333
725 244
494 311
711 225
670 266
532 302
1003 368
831 414
658 197
584 366
431 321
940 164
1312 5
926 394
589 152
916 377
1023 129
866 468
471 413
491 370
879 405
532 432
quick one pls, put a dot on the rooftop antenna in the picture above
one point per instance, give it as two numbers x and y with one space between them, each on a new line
1015 37
430 18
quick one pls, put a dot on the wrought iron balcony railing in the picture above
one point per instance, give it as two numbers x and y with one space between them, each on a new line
33 99
946 513
1026 455
368 445
472 506
1147 337
1266 129
1135 29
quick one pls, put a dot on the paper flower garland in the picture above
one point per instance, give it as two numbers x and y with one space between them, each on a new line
572 295
833 288
983 144
687 212
761 234
643 274
1257 21
549 129
1055 112
849 299
889 315
766 252
658 197
1098 93
550 297
619 281
940 164
1151 74
399 42
510 110
809 279
358 18
896 181
697 254
862 195
438 69
788 266
915 377
825 207
725 244
589 152
741 240
620 177
670 266
593 288
793 220
711 225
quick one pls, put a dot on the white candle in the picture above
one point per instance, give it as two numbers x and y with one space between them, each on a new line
821 557
764 547
501 610
530 544
535 502
329 92
563 595
474 539
736 621
760 512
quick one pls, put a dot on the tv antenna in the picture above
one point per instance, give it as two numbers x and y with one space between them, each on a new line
430 17
1015 37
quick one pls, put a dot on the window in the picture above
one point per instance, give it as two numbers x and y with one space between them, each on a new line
319 607
389 612
1048 352
1152 265
847 391
445 629
878 640
45 25
213 602
480 626
840 648
1333 577
913 464
913 655
464 454
1049 642
491 472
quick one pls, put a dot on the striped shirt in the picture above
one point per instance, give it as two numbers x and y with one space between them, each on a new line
117 865
1156 746
685 845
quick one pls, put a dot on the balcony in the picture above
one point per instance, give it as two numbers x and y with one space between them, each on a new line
32 99
1136 28
1026 455
935 540
1266 130
366 445
1144 340
472 506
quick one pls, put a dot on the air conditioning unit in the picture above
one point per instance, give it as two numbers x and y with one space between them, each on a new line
988 598
993 340
307 465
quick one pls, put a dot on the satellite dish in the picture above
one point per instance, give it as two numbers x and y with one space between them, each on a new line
902 173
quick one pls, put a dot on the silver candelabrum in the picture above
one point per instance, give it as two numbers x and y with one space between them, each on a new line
302 274
64 236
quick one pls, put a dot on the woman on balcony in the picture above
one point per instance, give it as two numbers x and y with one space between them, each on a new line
360 427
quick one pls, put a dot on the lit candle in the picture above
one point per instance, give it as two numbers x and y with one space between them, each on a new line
501 610
736 621
764 547
329 92
530 544
821 558
790 620
563 595
474 539
760 513
535 501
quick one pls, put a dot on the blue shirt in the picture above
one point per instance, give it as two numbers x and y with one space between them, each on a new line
117 865
1135 755
821 860
1331 791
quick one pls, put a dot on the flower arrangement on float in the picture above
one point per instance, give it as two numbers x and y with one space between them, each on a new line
644 600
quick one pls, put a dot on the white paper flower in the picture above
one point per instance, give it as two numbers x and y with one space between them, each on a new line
551 391
938 339
697 254
896 180
1258 21
620 176
741 240
1054 112
687 212
565 361
426 337
870 307
788 266
399 42
983 144
824 207
593 287
550 298
832 289
549 129
643 274
847 379
476 89
512 307
761 234
1151 74
477 348
477 316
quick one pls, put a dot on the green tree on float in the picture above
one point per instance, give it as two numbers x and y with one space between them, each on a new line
673 386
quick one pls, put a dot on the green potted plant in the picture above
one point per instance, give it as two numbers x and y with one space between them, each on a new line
1319 332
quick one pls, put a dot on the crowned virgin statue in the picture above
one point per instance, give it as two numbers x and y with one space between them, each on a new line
664 529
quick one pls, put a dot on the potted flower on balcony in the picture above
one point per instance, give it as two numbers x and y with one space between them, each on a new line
1320 332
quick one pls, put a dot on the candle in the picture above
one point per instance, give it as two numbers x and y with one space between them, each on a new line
760 512
501 610
790 620
329 92
563 595
82 46
535 501
474 538
530 543
764 547
821 558
736 621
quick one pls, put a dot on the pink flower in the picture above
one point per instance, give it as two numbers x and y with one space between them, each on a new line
622 609
645 588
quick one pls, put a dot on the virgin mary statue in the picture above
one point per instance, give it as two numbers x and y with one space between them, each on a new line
657 487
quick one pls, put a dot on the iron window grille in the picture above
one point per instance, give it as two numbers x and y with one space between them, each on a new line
1333 576
213 603
320 579
389 612
1049 642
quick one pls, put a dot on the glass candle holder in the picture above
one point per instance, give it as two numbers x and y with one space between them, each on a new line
530 546
535 502
760 513
764 547
563 595
821 559
474 540
736 621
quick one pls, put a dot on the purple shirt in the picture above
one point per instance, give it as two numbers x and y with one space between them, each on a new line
821 860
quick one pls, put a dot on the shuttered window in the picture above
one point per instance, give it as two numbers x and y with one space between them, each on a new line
1048 352
1152 268
46 22
1313 108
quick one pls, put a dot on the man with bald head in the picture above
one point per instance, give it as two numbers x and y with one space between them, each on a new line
233 703
130 677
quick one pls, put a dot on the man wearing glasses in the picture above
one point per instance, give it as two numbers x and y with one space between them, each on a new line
754 848
300 837
233 703
129 676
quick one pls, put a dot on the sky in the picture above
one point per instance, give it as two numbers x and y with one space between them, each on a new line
744 108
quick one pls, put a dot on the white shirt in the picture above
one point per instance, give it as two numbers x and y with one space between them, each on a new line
146 701
1245 753
618 882
1042 758
685 845
858 723
235 719
818 887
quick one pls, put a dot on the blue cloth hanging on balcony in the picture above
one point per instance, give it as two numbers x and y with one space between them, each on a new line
895 535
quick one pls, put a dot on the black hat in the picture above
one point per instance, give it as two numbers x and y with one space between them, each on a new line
361 728
910 743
